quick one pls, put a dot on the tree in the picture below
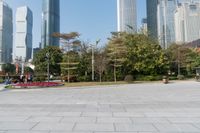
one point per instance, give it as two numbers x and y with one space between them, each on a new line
116 51
100 63
71 42
55 57
181 58
144 56
69 64
8 68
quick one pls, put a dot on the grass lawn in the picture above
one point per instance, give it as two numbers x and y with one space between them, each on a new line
78 84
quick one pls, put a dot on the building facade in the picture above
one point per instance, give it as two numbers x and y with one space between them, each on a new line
187 21
6 33
152 18
50 22
165 22
127 16
23 37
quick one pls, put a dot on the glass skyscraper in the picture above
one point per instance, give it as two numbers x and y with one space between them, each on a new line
127 16
6 33
50 22
152 18
187 18
23 38
166 23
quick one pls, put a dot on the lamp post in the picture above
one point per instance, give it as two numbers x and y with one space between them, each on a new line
97 42
47 56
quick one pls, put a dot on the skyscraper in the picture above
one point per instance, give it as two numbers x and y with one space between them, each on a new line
6 33
50 22
127 15
165 22
187 18
23 40
152 18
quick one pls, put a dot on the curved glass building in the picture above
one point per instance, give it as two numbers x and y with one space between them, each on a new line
50 22
127 16
6 33
23 38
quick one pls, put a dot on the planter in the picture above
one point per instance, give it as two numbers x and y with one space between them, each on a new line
165 79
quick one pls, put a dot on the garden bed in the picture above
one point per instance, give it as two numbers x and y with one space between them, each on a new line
37 85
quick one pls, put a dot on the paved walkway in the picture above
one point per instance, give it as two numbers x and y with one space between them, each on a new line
137 108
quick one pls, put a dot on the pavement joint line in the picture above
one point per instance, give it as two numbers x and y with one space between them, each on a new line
155 127
74 126
34 126
195 126
62 117
115 129
28 118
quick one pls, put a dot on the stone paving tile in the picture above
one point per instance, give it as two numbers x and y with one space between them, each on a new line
97 114
127 114
135 127
79 120
13 118
69 132
16 125
143 120
44 119
45 126
159 114
184 120
176 128
71 114
113 120
94 127
26 131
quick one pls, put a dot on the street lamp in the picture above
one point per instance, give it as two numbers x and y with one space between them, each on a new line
97 42
47 57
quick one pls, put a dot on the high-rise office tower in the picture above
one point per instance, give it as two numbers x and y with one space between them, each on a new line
23 37
187 19
6 33
165 22
144 26
127 16
152 18
50 22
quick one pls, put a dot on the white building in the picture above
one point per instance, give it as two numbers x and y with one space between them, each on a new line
23 40
187 22
165 22
6 33
127 16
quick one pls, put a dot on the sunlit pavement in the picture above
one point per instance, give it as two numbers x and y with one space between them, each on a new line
136 108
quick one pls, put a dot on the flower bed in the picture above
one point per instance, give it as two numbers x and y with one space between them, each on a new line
37 84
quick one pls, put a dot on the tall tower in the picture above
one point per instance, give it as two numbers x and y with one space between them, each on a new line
24 26
152 18
166 22
187 18
50 22
6 33
127 16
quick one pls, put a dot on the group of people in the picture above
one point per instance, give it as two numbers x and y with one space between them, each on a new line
27 78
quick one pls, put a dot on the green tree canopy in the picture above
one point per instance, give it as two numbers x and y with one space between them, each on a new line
55 57
8 68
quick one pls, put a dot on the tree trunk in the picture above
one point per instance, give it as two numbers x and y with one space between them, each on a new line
115 78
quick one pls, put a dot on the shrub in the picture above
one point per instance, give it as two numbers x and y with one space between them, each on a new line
180 77
149 78
173 78
128 78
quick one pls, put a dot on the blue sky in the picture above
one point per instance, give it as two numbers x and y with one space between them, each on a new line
93 19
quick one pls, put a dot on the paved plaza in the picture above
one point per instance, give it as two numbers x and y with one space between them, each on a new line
132 108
